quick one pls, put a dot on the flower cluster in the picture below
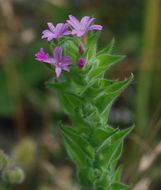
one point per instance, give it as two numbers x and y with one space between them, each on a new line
72 27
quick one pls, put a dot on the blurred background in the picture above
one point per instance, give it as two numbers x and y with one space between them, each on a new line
29 112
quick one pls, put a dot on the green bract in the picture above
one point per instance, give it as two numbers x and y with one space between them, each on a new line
87 96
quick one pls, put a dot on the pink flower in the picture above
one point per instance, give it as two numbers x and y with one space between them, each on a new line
42 56
80 28
59 61
55 32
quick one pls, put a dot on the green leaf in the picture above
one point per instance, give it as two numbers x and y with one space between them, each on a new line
104 99
116 157
74 152
83 144
114 85
78 120
121 134
105 154
86 176
100 135
103 87
61 85
108 49
103 182
70 101
93 119
105 62
91 45
119 186
111 148
118 174
118 153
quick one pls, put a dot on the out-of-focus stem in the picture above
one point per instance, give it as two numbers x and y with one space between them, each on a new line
13 82
147 66
150 36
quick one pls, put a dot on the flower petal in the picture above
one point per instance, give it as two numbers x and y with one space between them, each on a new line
86 21
42 56
78 33
51 27
66 68
59 30
66 33
48 34
73 21
95 27
58 54
58 71
66 60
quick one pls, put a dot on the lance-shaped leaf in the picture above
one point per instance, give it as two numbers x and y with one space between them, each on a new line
120 186
91 45
117 175
103 87
86 176
91 115
117 136
105 62
110 148
106 97
79 140
80 123
74 152
103 183
100 135
108 49
105 155
121 134
70 101
60 86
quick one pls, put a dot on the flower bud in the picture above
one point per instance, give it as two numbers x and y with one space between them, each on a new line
12 176
3 160
81 49
81 62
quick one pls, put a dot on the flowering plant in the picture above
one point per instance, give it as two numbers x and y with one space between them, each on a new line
86 96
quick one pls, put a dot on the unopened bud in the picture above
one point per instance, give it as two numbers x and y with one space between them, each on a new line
81 62
81 49
12 176
3 160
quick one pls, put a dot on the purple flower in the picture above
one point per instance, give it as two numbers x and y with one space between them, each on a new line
80 28
55 32
81 62
42 56
59 61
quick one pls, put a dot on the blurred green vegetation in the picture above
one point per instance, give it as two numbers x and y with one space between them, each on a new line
29 112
